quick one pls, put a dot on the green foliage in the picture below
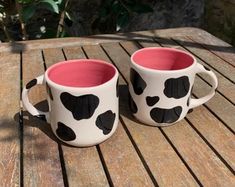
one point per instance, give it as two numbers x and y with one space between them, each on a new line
24 10
113 15
118 12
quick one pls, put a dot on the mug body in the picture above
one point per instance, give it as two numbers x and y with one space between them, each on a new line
160 86
83 101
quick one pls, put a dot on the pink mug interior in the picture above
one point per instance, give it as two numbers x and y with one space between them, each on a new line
81 73
162 58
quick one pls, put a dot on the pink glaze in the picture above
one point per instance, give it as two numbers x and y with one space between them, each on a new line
162 59
81 73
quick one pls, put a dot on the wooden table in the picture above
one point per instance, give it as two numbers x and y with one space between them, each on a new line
198 151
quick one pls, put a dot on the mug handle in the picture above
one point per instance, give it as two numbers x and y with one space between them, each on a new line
196 102
29 107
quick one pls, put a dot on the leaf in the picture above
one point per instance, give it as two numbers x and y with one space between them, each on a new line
68 16
141 8
58 2
117 7
50 5
28 12
122 19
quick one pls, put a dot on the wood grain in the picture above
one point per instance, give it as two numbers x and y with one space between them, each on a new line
9 119
96 52
217 46
80 163
204 163
74 53
122 161
41 157
118 151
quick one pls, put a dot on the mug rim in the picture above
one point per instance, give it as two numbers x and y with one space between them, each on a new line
162 71
59 86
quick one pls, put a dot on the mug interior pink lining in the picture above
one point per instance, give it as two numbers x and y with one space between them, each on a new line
162 59
81 73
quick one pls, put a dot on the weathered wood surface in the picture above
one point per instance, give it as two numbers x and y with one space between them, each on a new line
198 151
9 119
41 157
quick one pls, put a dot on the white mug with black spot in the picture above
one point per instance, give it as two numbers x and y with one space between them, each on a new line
161 81
83 100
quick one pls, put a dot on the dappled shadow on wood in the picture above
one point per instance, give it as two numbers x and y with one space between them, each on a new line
9 130
142 37
30 123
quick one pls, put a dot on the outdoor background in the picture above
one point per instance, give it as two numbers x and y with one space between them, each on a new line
35 19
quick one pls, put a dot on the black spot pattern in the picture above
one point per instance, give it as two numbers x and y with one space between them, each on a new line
177 87
137 82
190 110
105 121
31 83
133 106
82 107
65 133
117 88
49 91
152 100
188 101
161 115
206 68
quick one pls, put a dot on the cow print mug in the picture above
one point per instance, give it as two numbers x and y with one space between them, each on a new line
83 100
161 80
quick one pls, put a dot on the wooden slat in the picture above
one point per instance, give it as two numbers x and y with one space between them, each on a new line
217 63
217 46
52 56
215 133
9 117
96 39
74 53
204 163
218 104
152 144
81 163
121 159
41 157
200 158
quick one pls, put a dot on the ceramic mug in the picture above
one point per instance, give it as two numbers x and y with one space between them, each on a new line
83 100
161 80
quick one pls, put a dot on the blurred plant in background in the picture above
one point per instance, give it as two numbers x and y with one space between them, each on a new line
115 14
17 17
